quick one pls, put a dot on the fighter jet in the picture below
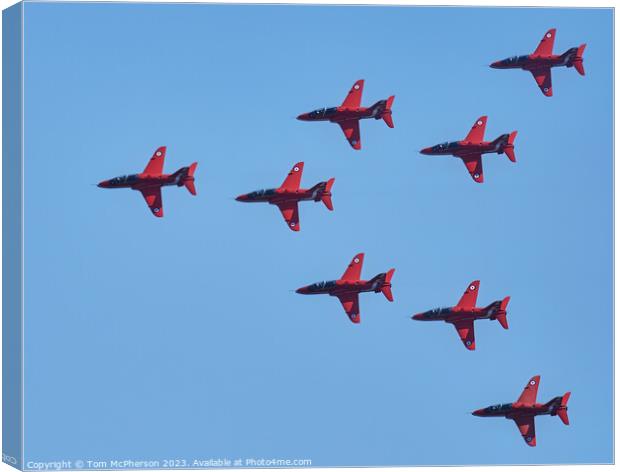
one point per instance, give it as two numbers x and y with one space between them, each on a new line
151 180
471 149
287 196
540 62
525 409
349 286
463 315
350 112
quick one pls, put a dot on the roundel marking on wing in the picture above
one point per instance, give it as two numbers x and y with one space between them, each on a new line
296 169
356 260
479 123
532 382
158 153
472 287
356 86
548 35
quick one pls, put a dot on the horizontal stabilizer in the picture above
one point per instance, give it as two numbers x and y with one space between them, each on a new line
189 185
502 320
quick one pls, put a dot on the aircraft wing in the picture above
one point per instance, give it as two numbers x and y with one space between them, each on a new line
468 300
473 162
527 429
354 269
354 97
156 163
351 130
152 195
476 133
465 329
545 47
543 79
290 212
293 179
530 391
351 304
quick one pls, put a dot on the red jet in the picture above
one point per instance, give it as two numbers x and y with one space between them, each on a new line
349 114
349 286
474 146
463 315
288 195
151 180
525 409
540 62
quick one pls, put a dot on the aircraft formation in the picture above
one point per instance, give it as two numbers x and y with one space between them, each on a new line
347 289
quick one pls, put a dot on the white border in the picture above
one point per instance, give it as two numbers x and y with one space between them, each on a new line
479 3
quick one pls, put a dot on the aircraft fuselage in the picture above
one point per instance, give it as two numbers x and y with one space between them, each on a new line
450 315
140 181
278 195
515 410
338 287
534 62
340 114
463 148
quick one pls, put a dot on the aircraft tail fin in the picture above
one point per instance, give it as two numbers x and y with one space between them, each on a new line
578 60
323 192
562 410
383 110
387 113
326 196
574 58
501 315
386 289
497 311
509 148
189 179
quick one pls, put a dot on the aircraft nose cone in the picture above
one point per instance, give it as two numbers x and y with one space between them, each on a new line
477 412
302 290
426 150
102 184
241 198
419 316
303 117
495 65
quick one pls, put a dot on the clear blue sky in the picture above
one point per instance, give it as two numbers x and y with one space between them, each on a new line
182 337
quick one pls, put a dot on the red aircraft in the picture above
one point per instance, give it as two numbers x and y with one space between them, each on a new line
525 409
288 195
463 315
349 286
474 146
349 114
540 62
151 180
